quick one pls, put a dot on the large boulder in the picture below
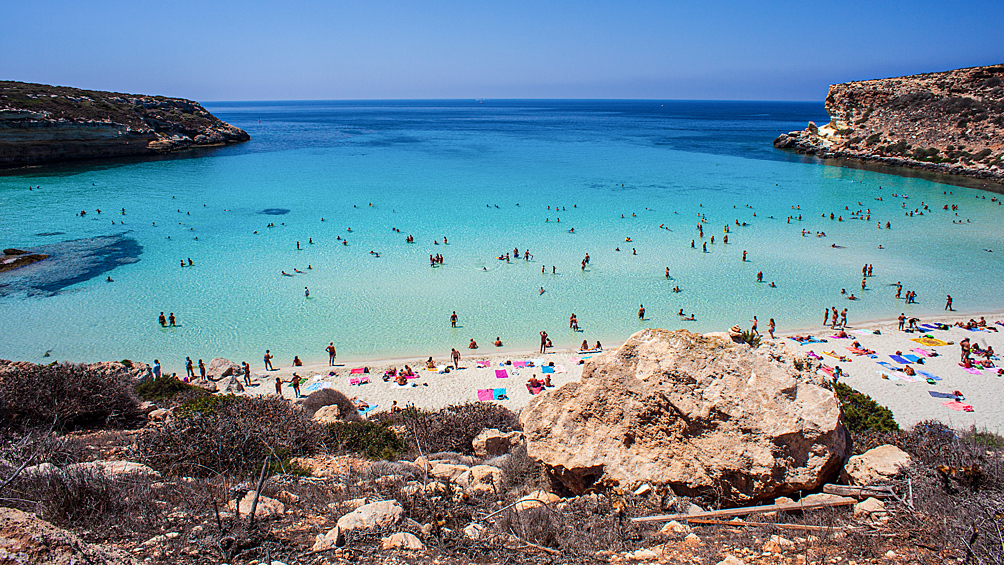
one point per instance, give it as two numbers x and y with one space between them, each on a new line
875 465
700 414
330 414
220 367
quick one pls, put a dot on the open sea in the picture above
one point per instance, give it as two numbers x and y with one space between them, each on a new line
488 177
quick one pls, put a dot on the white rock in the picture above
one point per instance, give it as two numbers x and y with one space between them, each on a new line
871 509
116 469
402 540
675 527
731 560
474 531
876 465
375 515
448 471
266 508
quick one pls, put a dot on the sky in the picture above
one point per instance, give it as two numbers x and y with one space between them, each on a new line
415 49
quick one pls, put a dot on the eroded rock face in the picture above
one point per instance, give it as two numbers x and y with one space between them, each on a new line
492 443
693 412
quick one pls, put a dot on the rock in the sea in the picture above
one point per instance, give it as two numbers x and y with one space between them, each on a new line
220 367
27 539
376 515
492 443
875 465
402 540
699 414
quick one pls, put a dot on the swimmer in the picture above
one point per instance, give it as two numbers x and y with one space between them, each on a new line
541 291
109 279
286 274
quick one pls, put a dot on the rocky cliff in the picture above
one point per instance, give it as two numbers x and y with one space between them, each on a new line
948 122
45 124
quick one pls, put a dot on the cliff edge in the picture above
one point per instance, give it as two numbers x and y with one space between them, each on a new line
46 124
948 122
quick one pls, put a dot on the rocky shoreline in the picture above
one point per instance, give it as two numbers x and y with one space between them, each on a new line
945 123
49 124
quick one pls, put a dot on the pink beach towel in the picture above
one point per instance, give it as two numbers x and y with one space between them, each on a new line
484 364
519 364
972 371
958 406
501 374
922 352
574 360
559 368
486 394
358 371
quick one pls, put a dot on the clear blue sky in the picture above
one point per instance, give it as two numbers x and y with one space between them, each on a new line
304 49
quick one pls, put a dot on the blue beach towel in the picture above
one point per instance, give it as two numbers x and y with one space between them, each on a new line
547 369
911 358
925 374
886 364
368 409
899 359
937 394
499 394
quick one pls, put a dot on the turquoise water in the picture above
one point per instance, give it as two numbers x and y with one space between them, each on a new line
439 169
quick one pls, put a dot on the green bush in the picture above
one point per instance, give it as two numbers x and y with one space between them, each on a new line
861 413
376 440
163 388
204 405
127 363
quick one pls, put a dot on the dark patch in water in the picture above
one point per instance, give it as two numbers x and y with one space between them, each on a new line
69 263
48 233
274 211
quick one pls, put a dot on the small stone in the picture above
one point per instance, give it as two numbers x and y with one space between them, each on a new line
266 508
694 509
402 540
692 539
675 527
731 560
448 471
474 531
642 555
871 509
643 490
196 531
890 554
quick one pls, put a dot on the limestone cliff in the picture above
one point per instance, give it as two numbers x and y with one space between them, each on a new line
45 124
949 122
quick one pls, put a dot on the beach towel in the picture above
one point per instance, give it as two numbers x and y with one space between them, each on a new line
358 371
590 351
547 369
886 364
857 351
499 394
574 360
836 337
484 364
534 390
810 340
958 406
971 371
912 358
862 332
486 394
888 375
827 370
899 359
559 368
319 386
929 341
922 352
501 374
519 364
929 376
359 380
837 357
937 394
368 409
929 326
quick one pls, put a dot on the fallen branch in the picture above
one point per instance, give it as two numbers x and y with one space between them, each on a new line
786 507
802 527
859 492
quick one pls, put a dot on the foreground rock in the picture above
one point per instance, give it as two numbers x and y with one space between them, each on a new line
26 539
699 414
948 122
492 443
875 465
41 124
369 516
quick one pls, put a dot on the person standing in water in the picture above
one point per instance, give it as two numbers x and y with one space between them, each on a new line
543 340
331 354
171 319
162 320
948 303
641 311
306 292
453 319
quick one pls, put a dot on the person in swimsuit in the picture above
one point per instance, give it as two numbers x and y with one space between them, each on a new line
188 368
456 357
331 354
162 320
543 340
268 360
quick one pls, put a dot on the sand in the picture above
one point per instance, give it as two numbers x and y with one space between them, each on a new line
913 402
910 402
430 390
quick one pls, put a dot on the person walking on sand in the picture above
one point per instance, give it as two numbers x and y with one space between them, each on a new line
453 319
331 354
295 381
843 319
455 355
247 373
948 303
188 368
770 328
202 370
753 330
268 360
641 311
543 340
278 385
902 320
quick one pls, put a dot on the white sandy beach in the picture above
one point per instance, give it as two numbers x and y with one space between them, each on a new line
916 401
912 399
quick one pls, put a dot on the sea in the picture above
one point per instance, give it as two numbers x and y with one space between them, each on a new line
329 192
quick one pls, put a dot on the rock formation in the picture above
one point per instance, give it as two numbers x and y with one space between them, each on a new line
948 122
27 539
700 414
43 124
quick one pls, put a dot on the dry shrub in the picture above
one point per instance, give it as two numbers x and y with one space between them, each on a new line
329 397
66 396
453 428
228 434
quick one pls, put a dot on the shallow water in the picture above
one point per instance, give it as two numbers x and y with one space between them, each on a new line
435 169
